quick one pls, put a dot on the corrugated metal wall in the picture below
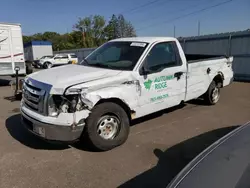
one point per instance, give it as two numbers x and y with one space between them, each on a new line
235 44
80 53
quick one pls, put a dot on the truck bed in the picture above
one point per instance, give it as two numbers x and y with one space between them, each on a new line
193 58
199 78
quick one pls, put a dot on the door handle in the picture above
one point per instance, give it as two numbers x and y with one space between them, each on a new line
178 75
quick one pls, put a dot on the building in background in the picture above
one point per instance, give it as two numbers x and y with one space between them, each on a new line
34 50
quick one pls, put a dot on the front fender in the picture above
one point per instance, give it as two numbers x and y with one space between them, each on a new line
128 93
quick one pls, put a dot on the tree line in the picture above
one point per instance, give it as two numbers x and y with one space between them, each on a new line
91 31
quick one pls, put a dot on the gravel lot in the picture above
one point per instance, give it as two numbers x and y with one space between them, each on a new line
159 146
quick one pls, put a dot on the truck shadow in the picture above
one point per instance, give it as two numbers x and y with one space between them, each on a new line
86 147
197 102
174 159
18 132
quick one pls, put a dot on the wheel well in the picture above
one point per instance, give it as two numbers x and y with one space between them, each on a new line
120 103
219 79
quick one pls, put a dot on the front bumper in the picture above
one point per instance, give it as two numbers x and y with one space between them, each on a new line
51 132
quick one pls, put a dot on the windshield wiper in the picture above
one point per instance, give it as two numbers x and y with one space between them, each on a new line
100 65
97 64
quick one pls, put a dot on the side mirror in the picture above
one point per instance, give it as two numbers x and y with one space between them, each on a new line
144 69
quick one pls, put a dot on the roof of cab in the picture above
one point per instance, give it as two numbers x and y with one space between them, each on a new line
5 23
146 39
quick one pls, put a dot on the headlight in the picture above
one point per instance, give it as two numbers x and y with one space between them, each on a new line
53 103
72 91
64 104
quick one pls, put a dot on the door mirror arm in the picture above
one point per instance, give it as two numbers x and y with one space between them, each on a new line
144 69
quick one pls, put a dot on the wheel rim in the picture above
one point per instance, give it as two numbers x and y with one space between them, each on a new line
215 94
108 127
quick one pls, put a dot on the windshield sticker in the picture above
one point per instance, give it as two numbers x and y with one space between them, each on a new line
158 82
138 44
157 98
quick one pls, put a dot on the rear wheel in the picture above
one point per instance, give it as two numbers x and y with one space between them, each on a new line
212 95
106 127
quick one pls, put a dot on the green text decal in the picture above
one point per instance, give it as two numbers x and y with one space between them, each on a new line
159 82
153 99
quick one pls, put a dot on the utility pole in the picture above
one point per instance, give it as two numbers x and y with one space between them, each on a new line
199 28
174 30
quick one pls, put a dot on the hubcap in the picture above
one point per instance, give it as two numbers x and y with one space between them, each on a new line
215 95
108 127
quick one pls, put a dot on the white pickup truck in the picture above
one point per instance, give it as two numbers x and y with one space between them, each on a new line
120 81
59 59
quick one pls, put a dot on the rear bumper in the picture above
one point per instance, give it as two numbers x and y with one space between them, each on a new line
51 132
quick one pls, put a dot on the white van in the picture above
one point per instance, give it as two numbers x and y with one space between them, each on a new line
11 49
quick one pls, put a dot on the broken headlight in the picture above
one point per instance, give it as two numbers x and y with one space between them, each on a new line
64 104
54 103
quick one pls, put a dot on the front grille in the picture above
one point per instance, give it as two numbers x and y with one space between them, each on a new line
33 98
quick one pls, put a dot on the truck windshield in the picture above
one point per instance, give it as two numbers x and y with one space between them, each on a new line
116 55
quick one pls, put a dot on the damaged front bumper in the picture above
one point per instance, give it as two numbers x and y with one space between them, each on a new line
52 129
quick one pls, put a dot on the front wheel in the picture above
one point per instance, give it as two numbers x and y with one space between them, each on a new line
47 65
212 95
107 126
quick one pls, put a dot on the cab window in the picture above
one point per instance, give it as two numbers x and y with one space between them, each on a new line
64 57
161 56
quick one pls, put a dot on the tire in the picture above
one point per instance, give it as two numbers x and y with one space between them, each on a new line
99 115
29 68
47 65
212 95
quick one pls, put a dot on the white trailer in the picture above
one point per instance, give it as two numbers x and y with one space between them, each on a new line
11 49
35 50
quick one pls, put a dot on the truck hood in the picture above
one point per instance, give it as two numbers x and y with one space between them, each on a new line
64 76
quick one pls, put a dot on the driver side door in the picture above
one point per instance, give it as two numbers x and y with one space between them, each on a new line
162 78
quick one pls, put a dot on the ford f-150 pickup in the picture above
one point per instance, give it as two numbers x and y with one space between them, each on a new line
122 80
